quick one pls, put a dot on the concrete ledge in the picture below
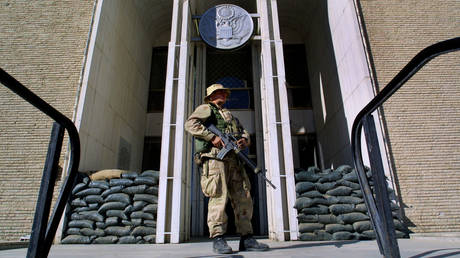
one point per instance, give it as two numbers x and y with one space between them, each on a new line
449 236
13 245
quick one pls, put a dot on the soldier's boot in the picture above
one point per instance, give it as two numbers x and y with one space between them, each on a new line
220 246
248 243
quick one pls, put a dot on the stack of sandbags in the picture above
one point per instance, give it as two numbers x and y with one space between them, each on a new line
330 206
113 206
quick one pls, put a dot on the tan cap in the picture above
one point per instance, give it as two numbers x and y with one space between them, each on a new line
214 88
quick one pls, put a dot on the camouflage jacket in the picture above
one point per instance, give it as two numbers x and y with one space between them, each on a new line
223 120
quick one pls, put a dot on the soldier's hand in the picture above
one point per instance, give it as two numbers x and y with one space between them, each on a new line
242 143
217 142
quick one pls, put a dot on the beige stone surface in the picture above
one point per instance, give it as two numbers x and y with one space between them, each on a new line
422 118
42 45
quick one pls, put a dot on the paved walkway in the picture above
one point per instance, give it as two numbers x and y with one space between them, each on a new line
415 248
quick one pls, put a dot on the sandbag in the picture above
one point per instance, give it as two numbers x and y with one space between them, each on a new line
338 209
111 221
310 227
73 231
150 223
81 224
88 191
319 235
116 213
146 197
324 187
145 180
80 209
118 197
303 202
332 200
304 218
111 190
349 199
353 217
344 169
138 205
340 191
152 190
353 186
76 216
78 203
136 222
127 222
302 187
128 209
357 193
149 239
106 240
367 235
85 180
129 175
143 231
92 232
127 240
151 173
343 235
361 226
120 181
99 184
151 208
78 188
92 215
399 225
361 208
329 219
76 239
117 231
112 206
330 177
100 225
106 174
332 228
352 177
319 209
94 199
311 194
305 176
141 215
135 189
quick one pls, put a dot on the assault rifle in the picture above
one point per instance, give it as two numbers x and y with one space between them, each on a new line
229 145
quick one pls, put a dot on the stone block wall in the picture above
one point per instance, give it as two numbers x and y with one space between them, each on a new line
120 210
422 118
42 44
330 205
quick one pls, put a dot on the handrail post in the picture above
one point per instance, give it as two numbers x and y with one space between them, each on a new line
389 242
45 195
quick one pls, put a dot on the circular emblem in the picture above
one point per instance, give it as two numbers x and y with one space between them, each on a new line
226 26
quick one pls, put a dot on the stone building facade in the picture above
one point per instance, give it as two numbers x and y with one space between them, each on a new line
91 60
43 46
421 119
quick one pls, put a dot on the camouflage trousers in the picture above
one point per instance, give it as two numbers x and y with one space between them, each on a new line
222 181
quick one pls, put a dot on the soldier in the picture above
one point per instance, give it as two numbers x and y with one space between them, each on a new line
226 179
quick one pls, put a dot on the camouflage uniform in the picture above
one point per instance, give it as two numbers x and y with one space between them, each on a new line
221 179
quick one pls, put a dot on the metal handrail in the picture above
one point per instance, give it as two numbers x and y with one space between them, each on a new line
39 246
386 239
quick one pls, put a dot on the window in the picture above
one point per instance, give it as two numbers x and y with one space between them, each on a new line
157 80
297 81
151 156
234 71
